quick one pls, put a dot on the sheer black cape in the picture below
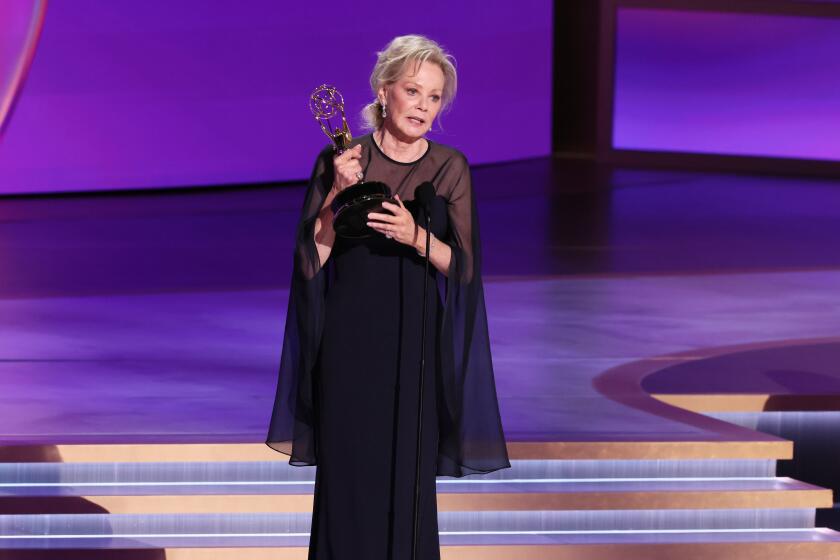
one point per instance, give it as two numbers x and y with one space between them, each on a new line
471 439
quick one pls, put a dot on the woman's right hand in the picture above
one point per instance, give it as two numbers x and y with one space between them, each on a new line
348 168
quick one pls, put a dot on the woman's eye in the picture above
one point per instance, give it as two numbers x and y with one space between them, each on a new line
411 91
436 98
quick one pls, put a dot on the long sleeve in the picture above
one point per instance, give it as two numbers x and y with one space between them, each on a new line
472 438
292 427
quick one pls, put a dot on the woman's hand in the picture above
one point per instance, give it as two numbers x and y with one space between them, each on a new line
348 169
398 225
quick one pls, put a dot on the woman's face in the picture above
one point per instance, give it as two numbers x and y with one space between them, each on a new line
413 101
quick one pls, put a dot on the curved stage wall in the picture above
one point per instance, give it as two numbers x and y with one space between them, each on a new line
156 93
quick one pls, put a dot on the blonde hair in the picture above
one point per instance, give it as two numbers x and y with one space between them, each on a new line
391 62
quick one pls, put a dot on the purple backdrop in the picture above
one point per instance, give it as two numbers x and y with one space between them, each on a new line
742 84
161 93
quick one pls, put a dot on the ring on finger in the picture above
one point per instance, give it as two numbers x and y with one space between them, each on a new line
360 176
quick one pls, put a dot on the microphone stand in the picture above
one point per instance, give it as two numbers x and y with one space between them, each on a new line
416 529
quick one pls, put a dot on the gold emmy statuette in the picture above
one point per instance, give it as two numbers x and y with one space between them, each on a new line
351 206
327 105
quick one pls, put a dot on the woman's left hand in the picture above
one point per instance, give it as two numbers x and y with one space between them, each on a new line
398 225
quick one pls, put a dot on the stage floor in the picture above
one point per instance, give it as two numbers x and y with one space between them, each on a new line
158 316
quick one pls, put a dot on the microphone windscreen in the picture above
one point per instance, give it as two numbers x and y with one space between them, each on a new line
424 194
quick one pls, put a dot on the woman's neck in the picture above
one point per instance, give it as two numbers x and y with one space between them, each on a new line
402 150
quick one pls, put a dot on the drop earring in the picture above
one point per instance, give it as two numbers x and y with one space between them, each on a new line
384 112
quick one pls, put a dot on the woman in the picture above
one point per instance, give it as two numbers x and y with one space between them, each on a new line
347 396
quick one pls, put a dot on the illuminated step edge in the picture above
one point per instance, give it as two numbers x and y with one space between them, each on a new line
149 528
279 470
534 535
52 487
696 492
762 447
629 520
446 502
494 521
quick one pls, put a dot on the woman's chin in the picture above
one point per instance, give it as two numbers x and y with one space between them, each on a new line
412 133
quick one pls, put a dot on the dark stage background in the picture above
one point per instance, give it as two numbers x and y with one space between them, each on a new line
746 85
124 95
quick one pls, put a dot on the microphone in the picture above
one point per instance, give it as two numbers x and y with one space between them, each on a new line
424 194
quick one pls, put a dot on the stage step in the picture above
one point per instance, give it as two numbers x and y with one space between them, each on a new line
279 470
275 536
761 447
584 500
498 522
476 495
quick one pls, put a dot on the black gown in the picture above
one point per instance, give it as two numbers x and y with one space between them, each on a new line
348 385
